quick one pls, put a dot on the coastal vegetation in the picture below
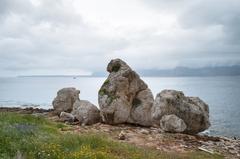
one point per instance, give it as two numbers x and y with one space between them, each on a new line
31 136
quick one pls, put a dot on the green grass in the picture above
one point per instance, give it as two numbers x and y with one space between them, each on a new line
36 137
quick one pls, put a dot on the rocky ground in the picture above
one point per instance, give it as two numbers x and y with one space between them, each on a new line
155 138
148 137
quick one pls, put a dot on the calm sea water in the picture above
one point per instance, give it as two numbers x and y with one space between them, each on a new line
221 93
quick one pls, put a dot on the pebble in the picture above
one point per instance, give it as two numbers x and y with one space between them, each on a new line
122 136
143 131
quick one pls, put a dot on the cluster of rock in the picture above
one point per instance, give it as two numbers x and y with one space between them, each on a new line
125 98
177 113
69 107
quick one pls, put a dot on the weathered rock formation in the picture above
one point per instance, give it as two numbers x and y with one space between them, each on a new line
68 105
124 97
192 110
65 99
86 113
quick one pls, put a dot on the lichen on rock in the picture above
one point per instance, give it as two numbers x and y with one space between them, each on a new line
120 97
192 110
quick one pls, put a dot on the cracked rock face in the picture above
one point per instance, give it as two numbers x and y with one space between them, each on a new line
65 99
192 110
124 97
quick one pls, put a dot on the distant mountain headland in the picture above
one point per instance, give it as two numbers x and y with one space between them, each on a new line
176 72
71 76
186 71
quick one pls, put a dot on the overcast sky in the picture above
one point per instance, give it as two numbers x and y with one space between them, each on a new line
81 36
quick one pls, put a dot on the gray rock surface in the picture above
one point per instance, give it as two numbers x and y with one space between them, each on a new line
65 99
172 123
66 117
192 110
85 112
124 97
141 112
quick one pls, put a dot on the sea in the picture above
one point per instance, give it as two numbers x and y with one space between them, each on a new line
222 94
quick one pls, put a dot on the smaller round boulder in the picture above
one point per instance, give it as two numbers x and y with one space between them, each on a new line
85 112
66 117
172 123
65 99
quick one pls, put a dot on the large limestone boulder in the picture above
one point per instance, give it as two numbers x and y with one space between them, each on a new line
65 99
124 97
192 110
85 112
172 123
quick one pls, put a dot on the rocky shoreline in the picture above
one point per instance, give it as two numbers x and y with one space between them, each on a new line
129 113
124 98
28 110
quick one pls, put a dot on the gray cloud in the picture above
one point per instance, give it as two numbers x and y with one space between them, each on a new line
217 13
48 36
53 37
212 29
203 14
